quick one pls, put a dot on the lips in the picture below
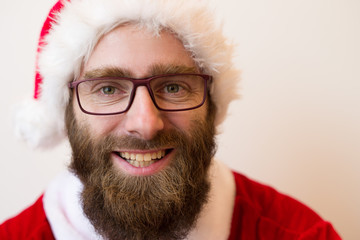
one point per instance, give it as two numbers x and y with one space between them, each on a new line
143 159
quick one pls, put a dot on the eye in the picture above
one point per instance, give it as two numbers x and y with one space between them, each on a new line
172 88
108 90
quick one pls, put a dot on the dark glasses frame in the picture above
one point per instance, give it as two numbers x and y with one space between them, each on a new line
142 82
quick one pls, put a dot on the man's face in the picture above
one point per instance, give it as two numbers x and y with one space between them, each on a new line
140 54
138 199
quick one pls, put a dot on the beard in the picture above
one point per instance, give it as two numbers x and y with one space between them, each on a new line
164 205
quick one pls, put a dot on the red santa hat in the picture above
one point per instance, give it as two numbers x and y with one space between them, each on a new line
73 28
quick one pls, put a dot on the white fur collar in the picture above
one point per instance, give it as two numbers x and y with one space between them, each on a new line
68 222
63 209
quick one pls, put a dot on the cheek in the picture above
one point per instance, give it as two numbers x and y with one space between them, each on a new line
105 125
98 126
183 120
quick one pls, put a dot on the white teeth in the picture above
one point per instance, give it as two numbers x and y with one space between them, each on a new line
142 157
139 157
142 160
140 164
147 157
136 163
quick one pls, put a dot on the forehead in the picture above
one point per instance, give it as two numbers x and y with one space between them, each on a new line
137 50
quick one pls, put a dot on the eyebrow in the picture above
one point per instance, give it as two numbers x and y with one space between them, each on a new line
107 72
156 69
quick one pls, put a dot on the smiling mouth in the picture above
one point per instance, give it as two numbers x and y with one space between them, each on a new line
141 160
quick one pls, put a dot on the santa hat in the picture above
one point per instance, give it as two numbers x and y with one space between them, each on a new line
73 28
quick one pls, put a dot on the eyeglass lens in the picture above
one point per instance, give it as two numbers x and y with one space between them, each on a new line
177 92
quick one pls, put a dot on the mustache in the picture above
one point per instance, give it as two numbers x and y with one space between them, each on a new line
164 139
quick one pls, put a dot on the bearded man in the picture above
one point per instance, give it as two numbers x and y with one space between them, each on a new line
139 87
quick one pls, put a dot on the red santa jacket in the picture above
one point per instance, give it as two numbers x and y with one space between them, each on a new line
259 213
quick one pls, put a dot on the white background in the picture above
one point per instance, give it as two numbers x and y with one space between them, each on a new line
297 126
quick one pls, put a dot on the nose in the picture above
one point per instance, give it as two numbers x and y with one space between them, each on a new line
143 119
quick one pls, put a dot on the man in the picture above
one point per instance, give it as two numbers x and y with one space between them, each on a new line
138 87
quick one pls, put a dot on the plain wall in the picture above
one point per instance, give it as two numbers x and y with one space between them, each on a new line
296 128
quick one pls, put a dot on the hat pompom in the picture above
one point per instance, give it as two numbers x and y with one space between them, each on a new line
37 125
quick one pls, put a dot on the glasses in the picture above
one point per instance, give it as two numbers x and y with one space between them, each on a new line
114 95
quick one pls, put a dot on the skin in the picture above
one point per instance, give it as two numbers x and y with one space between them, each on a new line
137 51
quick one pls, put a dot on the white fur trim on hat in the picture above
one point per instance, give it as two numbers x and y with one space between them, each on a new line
76 31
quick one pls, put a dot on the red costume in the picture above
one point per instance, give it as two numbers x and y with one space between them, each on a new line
259 212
